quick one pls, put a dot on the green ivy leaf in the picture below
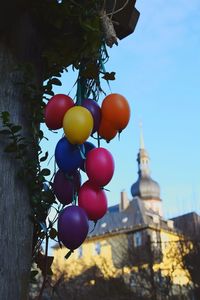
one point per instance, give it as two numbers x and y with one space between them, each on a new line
16 128
57 74
44 263
5 116
22 146
40 134
55 81
45 172
109 76
49 93
5 131
48 197
53 233
10 148
44 157
33 275
91 71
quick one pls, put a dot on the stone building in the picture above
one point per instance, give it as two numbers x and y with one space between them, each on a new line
135 241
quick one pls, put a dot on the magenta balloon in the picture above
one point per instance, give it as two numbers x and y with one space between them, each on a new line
99 166
72 226
95 110
93 200
65 186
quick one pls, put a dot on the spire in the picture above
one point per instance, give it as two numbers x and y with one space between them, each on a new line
141 136
145 187
143 158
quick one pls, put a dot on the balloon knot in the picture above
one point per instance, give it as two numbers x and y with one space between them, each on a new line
95 223
103 188
69 254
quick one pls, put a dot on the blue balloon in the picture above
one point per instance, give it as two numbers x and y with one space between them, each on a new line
68 157
87 147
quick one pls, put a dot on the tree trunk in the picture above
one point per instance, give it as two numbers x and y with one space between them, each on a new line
15 225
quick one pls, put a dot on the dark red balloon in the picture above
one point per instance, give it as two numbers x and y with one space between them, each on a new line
99 166
55 110
93 200
72 226
65 186
95 110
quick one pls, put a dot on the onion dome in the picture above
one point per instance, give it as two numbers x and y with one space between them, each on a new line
145 187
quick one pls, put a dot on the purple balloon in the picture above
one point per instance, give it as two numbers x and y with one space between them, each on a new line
65 186
88 146
73 226
95 110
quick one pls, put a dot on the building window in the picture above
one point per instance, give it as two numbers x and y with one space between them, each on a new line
125 219
154 238
137 238
103 225
80 252
97 248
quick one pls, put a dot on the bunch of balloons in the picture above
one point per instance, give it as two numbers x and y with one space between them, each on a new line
73 152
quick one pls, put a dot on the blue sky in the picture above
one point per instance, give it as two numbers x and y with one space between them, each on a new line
158 71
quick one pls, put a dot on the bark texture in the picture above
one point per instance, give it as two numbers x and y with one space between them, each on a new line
15 225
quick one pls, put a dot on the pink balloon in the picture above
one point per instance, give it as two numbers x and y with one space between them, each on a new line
99 166
93 200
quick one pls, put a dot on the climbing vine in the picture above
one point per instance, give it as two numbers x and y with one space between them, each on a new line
70 33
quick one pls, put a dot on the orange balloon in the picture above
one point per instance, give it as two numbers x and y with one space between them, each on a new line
116 110
106 131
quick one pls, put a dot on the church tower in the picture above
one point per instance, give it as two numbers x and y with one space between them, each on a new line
145 188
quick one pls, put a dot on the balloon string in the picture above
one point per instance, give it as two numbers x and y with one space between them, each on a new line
74 198
82 90
80 86
73 87
95 223
69 177
119 135
83 147
82 151
98 140
78 93
103 188
102 63
60 245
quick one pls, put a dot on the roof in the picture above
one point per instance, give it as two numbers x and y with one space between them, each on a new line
135 217
189 224
114 208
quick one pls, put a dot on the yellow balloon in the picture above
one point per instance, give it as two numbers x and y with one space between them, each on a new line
77 124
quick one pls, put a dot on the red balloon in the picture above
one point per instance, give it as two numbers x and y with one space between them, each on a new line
55 110
99 166
93 200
